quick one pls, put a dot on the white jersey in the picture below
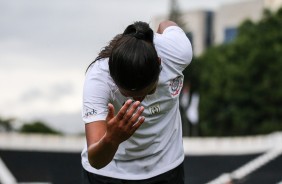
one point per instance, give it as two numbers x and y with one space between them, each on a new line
156 147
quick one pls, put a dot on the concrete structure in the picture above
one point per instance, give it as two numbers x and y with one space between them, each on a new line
229 16
272 4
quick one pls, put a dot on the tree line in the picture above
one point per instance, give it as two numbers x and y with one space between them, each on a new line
37 126
240 83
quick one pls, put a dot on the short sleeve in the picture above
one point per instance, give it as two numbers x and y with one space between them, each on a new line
96 93
174 47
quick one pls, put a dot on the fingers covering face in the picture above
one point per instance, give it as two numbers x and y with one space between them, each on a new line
130 113
123 110
136 117
138 124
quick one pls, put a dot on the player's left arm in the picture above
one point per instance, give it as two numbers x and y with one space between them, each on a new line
173 45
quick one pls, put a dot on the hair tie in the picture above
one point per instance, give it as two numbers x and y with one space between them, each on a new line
139 35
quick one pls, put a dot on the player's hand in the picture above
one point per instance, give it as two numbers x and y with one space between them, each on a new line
125 123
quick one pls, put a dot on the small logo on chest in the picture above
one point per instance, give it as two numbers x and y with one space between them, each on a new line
155 109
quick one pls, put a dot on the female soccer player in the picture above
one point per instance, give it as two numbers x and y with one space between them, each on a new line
131 107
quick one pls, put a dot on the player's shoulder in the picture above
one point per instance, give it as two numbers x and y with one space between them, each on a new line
99 67
102 64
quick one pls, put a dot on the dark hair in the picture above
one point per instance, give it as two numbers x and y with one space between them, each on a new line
133 60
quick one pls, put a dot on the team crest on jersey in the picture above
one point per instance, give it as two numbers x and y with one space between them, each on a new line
155 109
176 85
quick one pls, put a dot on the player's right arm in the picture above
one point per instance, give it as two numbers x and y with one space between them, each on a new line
103 137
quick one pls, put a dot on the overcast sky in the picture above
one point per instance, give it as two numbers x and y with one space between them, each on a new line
45 47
